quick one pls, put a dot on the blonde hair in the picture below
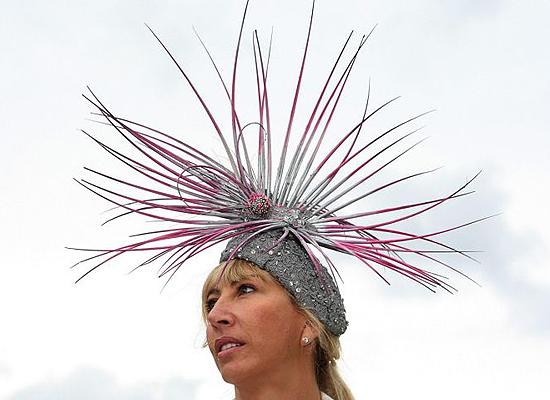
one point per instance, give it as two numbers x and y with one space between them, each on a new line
327 346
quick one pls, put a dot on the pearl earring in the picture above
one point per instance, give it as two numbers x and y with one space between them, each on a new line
305 340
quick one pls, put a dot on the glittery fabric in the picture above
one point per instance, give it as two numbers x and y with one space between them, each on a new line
289 263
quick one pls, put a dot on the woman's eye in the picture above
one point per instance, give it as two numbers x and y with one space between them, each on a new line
245 288
210 303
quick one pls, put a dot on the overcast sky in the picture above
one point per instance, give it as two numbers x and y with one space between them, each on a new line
481 64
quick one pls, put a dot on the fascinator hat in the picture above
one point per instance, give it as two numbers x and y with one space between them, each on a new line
284 212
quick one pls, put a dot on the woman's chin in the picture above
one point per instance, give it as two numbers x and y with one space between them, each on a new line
234 374
235 371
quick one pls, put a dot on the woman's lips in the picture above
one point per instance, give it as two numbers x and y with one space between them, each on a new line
229 349
227 344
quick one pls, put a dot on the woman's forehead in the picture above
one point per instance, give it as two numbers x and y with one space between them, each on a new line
230 274
237 269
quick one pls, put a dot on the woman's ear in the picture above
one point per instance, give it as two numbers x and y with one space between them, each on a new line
309 334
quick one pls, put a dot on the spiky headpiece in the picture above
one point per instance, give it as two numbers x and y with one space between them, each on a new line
207 202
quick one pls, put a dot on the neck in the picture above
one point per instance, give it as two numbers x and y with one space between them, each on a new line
284 382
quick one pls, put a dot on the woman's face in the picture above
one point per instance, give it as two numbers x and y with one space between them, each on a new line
252 328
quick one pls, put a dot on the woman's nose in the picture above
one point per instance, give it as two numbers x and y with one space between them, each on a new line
221 315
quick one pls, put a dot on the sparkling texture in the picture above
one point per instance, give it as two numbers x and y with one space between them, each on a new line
258 205
293 269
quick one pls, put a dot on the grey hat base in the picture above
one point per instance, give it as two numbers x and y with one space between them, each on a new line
288 262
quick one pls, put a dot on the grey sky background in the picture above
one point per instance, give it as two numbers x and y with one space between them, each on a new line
481 64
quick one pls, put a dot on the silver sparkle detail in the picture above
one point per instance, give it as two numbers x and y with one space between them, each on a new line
288 262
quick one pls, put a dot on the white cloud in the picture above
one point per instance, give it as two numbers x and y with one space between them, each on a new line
94 384
481 64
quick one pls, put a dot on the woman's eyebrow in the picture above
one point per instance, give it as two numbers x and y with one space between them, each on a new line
249 278
212 291
246 279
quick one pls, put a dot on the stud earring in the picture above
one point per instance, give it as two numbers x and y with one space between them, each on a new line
305 340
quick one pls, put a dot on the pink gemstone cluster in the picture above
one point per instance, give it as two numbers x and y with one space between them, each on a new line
258 204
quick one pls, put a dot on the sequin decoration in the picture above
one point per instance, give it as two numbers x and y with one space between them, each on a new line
258 205
287 261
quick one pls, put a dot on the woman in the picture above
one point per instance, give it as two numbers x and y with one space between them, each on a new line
265 340
273 310
264 343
